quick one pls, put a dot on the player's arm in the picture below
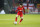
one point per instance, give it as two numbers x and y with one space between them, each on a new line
16 10
24 10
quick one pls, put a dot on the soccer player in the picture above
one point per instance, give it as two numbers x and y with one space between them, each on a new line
20 13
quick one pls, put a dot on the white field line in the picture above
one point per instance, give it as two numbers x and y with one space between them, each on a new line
18 19
7 19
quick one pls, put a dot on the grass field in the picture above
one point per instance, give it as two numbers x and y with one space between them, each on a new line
30 20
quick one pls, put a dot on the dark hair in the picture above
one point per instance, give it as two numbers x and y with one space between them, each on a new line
21 4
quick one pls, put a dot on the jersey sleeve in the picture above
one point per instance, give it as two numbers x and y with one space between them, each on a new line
16 10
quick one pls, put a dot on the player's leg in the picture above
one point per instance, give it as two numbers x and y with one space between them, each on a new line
16 18
21 18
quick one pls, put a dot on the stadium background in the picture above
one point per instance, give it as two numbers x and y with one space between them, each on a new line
9 6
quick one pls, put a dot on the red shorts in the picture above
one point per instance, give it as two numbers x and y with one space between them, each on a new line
20 14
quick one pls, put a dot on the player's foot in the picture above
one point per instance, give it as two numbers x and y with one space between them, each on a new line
19 22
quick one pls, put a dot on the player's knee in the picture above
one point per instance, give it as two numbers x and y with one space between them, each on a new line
16 15
21 17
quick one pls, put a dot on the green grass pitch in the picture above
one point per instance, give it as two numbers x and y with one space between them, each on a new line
30 20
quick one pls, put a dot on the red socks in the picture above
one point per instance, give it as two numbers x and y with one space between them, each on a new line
21 20
16 19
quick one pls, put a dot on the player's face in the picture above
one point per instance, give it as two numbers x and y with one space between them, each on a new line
20 5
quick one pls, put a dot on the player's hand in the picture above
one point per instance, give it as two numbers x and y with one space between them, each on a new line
24 13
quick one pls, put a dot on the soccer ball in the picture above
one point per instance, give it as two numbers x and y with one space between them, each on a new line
15 22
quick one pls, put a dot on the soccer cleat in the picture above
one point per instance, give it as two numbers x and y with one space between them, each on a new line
19 22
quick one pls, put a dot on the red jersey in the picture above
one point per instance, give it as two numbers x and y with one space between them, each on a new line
20 9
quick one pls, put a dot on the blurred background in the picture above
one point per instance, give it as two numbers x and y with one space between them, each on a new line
10 6
7 13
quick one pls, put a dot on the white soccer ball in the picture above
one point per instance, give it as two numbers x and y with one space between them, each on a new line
15 22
